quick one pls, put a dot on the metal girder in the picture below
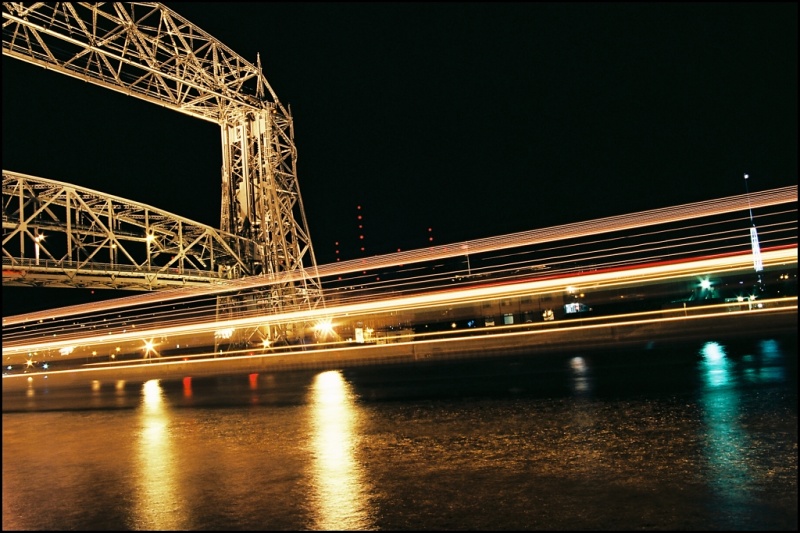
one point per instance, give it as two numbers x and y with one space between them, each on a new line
146 50
57 234
140 49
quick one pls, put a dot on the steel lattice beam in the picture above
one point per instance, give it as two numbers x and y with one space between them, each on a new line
56 234
141 49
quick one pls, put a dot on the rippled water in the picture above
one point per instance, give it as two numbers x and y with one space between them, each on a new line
700 436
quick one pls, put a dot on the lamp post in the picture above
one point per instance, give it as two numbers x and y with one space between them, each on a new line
37 239
758 266
149 239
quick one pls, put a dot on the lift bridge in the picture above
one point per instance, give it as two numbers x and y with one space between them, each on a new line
61 235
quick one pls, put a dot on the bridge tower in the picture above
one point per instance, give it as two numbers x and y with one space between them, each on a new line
148 51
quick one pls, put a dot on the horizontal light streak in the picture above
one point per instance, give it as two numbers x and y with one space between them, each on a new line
429 300
691 211
363 288
625 320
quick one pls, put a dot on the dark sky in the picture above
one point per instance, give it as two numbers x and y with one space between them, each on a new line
474 119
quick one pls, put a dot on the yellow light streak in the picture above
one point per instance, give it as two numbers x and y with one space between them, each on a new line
683 212
427 301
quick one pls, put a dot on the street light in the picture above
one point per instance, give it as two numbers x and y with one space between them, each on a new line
150 239
37 239
757 264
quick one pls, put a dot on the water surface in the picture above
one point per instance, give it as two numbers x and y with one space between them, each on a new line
691 436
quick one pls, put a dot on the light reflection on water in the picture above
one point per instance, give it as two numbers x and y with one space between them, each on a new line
725 441
581 376
700 438
157 506
339 484
728 446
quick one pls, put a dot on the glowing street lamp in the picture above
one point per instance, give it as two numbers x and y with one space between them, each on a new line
37 239
324 328
150 239
149 348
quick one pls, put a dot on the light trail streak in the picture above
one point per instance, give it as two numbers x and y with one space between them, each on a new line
569 231
362 288
429 301
519 330
115 324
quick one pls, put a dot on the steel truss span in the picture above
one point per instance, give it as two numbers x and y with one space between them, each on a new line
60 235
146 50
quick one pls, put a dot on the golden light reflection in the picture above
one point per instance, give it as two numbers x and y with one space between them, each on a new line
119 393
342 497
157 502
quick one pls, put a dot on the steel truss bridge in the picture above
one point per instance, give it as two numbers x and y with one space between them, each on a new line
55 234
60 235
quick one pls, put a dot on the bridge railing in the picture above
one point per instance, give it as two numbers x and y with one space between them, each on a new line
52 265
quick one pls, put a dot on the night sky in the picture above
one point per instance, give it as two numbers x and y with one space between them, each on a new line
472 119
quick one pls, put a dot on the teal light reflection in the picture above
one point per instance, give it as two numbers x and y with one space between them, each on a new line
715 367
726 443
766 365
